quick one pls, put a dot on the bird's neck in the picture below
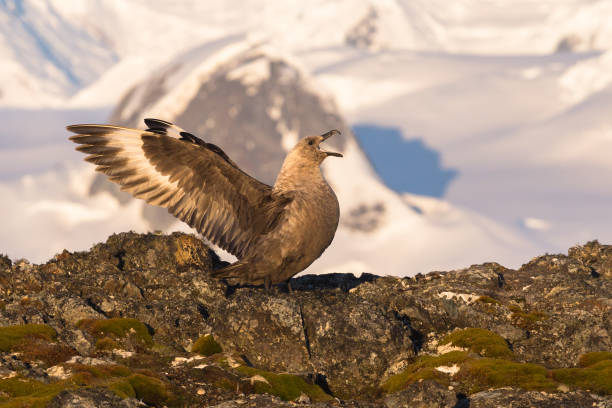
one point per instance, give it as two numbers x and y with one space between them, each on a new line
298 175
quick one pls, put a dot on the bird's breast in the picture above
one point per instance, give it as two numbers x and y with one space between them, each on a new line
312 220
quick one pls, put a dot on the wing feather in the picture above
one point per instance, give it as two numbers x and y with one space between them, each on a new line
194 180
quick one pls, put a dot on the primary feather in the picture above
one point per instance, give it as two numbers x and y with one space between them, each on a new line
196 182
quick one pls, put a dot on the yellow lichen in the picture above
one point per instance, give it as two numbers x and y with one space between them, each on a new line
187 250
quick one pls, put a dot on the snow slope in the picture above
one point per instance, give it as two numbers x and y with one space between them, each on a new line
44 56
409 234
46 213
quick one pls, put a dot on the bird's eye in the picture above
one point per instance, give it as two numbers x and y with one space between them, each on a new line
311 143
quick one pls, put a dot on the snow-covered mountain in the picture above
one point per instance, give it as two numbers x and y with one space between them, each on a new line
45 57
510 98
528 135
52 49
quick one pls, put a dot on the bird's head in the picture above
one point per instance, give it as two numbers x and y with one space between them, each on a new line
309 148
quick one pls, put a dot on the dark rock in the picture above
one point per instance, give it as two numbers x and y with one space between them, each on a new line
5 263
424 394
363 34
267 401
462 401
91 398
510 397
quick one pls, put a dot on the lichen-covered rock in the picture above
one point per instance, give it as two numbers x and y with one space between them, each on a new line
146 307
91 398
268 401
334 334
515 398
423 394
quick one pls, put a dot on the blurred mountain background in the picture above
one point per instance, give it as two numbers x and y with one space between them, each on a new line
472 130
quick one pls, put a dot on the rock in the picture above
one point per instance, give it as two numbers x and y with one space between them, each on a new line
424 394
332 333
336 340
91 398
507 397
74 309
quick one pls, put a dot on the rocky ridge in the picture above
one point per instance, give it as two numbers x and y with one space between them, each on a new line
137 321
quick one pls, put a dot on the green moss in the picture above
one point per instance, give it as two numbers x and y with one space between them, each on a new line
488 299
596 377
285 386
51 354
118 371
424 369
225 383
206 346
453 357
120 379
28 393
515 308
477 374
589 359
483 373
122 388
117 328
525 320
221 359
19 387
123 382
481 341
106 343
150 390
13 336
402 380
100 372
27 402
35 343
163 350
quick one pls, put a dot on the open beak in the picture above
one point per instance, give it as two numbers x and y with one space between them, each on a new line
326 136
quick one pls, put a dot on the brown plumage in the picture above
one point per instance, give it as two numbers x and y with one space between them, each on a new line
275 232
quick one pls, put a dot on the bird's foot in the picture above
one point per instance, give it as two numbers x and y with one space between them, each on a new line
267 283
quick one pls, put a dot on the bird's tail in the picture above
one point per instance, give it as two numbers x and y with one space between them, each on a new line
237 270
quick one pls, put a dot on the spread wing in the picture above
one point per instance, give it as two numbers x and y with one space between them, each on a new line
196 181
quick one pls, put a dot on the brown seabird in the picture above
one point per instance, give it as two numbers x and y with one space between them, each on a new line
274 231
